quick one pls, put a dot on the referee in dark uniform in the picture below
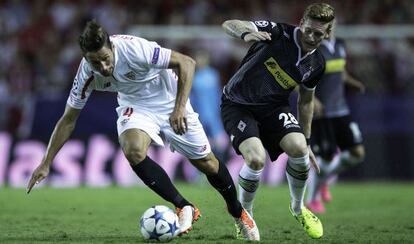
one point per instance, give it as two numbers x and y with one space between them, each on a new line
255 103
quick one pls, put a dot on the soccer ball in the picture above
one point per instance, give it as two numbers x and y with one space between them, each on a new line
159 223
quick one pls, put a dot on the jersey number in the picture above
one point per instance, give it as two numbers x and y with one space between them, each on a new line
288 118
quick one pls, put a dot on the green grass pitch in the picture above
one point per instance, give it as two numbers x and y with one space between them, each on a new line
360 213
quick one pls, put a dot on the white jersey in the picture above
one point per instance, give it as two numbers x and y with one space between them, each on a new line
140 76
146 94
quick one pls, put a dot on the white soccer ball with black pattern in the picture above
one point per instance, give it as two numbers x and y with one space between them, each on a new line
159 223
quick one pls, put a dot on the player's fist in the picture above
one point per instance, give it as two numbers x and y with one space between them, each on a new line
41 172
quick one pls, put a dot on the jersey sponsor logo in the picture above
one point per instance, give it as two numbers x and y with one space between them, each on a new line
279 74
335 65
261 23
156 55
107 84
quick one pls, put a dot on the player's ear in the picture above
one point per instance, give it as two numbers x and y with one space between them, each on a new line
329 31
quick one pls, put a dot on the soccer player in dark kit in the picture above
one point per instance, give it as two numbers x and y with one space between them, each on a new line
255 103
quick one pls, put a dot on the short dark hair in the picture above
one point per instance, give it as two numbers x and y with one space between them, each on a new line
93 37
320 11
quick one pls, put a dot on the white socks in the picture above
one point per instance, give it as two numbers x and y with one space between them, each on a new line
248 184
297 173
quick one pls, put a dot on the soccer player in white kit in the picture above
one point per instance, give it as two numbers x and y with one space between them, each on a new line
153 108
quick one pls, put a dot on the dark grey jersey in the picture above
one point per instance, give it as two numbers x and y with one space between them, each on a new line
272 69
330 90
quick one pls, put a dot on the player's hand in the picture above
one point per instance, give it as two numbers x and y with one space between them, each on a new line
178 121
38 175
258 36
313 161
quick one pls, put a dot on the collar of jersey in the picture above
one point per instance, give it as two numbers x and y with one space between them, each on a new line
295 38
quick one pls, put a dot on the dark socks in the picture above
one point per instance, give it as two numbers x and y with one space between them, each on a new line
224 184
157 179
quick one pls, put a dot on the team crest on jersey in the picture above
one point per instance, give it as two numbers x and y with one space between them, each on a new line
130 75
279 74
261 23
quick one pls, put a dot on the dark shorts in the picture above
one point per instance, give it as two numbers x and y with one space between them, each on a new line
330 133
269 123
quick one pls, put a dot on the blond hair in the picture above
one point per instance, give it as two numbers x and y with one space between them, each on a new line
319 11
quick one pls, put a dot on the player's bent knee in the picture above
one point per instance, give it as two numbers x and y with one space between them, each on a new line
253 153
255 160
297 150
135 155
294 144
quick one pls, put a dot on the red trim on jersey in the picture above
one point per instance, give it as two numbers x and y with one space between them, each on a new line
87 83
128 112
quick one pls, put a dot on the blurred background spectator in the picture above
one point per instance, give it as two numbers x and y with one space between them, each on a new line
205 97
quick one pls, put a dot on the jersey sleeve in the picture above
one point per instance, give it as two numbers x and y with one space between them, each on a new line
311 84
82 86
267 26
147 53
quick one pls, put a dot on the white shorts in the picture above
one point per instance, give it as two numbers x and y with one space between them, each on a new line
193 144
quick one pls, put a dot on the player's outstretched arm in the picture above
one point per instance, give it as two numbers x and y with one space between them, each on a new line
305 114
60 135
186 67
244 30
